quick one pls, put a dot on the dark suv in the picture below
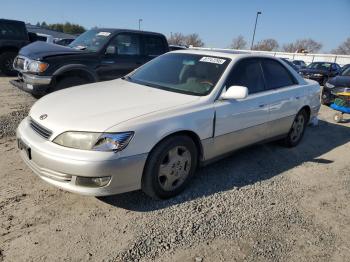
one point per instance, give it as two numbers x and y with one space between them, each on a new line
13 36
96 55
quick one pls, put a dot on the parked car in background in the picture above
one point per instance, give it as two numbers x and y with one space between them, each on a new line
321 71
291 64
335 85
299 63
96 55
345 67
151 129
64 41
45 38
13 36
177 47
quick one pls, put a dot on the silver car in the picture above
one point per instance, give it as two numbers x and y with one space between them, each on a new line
151 129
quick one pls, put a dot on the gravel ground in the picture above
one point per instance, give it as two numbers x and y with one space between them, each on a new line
263 203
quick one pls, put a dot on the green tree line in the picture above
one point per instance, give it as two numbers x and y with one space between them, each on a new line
67 27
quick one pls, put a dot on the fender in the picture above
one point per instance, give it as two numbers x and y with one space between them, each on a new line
67 68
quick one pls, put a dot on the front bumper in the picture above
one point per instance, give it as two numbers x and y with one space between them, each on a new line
34 84
61 166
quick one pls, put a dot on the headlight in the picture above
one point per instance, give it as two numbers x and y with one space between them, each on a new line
318 75
37 67
329 85
94 141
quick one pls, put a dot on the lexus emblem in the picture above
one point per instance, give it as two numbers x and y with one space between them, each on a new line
42 117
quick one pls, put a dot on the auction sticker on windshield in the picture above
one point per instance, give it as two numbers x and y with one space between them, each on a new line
212 60
103 33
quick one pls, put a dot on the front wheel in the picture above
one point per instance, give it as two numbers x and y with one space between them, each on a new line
6 63
297 130
169 168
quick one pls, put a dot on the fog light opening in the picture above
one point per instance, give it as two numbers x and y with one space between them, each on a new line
93 181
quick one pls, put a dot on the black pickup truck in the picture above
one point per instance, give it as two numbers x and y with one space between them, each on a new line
13 36
96 55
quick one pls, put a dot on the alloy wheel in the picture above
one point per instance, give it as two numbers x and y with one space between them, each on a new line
175 168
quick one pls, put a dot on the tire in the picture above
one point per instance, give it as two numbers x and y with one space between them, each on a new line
6 63
297 130
67 82
169 168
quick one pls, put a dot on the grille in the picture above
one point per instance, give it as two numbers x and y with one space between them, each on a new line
39 129
19 63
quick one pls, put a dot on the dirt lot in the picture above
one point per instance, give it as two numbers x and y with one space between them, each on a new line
264 203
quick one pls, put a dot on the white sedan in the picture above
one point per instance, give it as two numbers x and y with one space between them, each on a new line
151 129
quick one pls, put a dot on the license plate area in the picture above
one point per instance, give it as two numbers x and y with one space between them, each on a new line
24 147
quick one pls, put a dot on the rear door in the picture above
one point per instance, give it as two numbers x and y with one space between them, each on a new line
126 58
242 122
286 96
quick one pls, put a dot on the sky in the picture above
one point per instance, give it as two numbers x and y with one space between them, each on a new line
217 22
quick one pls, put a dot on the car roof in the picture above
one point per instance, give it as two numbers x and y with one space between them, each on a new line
224 53
119 30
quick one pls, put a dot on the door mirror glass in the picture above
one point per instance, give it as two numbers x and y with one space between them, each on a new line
235 92
111 50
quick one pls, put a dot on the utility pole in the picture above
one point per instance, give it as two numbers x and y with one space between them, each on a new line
256 21
140 20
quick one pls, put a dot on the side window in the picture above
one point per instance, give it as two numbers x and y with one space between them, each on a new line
276 75
154 45
12 31
126 44
247 73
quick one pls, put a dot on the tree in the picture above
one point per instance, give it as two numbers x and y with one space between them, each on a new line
67 27
308 45
181 39
269 44
193 40
177 39
238 43
343 49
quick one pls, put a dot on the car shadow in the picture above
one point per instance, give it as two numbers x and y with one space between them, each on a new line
245 167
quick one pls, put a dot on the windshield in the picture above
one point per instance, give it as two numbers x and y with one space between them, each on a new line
319 65
346 72
91 40
183 73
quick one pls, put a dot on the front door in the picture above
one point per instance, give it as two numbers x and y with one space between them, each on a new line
126 57
242 122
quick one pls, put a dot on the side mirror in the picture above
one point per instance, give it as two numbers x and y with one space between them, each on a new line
111 50
235 92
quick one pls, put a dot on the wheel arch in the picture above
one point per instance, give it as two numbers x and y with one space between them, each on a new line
307 109
189 133
75 70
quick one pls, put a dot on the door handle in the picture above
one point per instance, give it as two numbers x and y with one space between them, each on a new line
297 97
262 105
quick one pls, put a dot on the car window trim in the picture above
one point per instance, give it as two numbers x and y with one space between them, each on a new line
294 80
236 65
123 55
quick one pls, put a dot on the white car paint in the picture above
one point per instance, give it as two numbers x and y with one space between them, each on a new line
153 114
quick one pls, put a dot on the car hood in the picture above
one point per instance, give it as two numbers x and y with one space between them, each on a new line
39 50
313 71
340 81
100 106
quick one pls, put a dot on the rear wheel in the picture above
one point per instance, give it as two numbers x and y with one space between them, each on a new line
6 63
68 81
297 130
170 166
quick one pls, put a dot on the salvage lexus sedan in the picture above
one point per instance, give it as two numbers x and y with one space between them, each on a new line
151 129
